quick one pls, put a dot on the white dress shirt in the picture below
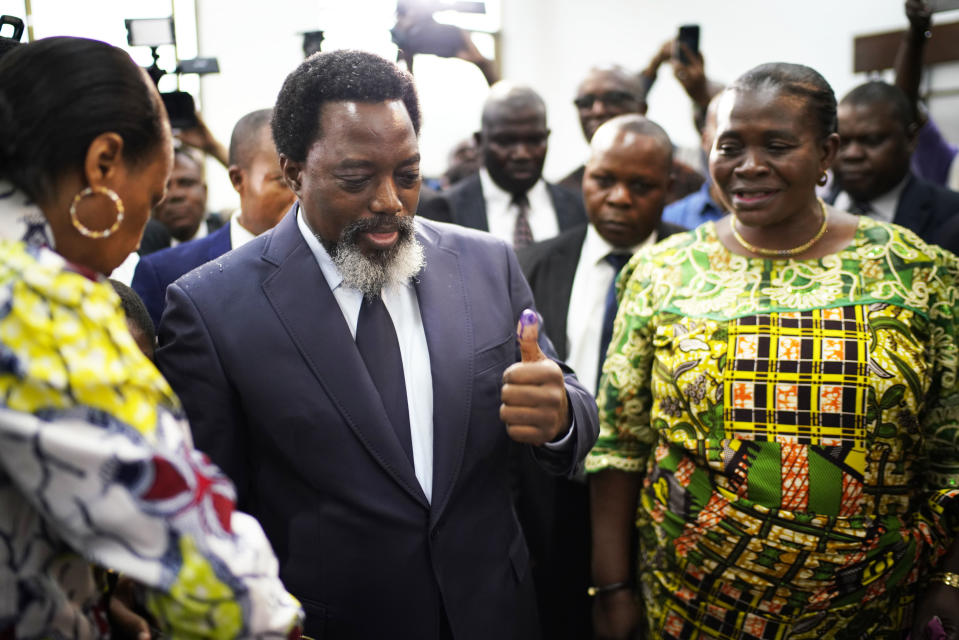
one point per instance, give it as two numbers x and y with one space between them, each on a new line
403 306
883 208
239 235
501 212
587 303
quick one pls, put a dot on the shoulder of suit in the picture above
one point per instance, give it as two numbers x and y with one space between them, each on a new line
446 233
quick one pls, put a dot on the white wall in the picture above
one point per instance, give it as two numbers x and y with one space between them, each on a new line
549 44
552 43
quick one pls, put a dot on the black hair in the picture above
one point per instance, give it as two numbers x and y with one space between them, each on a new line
57 95
879 92
135 310
344 75
244 141
797 80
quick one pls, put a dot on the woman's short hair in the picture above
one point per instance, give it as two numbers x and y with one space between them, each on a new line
798 80
57 95
344 75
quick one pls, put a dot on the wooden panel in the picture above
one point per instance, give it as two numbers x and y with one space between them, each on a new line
878 51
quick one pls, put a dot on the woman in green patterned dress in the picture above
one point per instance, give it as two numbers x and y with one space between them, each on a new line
779 405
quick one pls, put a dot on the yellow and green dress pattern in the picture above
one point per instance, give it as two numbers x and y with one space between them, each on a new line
97 465
796 425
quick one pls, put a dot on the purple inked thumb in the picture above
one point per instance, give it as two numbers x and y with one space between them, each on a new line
527 332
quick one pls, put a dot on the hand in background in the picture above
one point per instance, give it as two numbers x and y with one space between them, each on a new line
200 137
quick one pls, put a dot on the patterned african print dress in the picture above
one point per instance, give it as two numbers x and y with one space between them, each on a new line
97 465
796 421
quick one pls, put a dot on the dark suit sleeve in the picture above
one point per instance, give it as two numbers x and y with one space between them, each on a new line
146 282
582 406
435 208
188 358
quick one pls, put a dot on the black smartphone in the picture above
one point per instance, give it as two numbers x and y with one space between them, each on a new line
688 35
180 108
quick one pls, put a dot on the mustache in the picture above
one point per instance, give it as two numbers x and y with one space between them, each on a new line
378 224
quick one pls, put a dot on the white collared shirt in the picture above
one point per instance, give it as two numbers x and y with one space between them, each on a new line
403 306
587 303
501 212
239 235
883 208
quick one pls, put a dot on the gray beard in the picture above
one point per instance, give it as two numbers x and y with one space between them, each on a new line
369 274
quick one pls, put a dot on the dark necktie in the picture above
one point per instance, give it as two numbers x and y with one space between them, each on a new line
617 261
522 234
380 350
860 208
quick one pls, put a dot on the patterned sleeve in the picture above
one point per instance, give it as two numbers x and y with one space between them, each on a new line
95 441
940 419
624 399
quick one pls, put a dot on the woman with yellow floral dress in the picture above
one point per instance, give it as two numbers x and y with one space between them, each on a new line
779 405
96 461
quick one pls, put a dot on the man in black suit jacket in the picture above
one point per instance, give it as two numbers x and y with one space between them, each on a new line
625 186
355 396
877 131
508 197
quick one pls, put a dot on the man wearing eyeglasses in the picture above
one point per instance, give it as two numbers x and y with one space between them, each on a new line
508 196
606 92
610 91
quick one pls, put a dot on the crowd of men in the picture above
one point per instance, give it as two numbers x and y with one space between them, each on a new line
352 371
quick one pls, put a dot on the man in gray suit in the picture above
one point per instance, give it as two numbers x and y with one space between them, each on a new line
508 197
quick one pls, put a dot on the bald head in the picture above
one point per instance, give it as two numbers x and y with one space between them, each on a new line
247 136
506 99
627 179
256 175
512 138
606 92
626 131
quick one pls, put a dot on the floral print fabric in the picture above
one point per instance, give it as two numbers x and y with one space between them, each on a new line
96 461
796 422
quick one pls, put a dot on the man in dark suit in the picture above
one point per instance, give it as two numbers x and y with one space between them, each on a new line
877 132
254 168
625 188
508 197
181 216
363 403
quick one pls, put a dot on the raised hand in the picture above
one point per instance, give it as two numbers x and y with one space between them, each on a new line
535 406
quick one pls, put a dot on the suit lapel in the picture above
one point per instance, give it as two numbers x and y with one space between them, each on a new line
469 210
445 310
305 306
559 278
913 209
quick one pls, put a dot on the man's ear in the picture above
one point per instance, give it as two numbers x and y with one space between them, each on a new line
104 159
478 138
236 178
912 136
292 174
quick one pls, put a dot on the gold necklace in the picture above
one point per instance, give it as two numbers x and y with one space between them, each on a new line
782 252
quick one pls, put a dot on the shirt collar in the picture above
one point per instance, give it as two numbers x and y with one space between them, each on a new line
239 235
596 248
21 220
496 197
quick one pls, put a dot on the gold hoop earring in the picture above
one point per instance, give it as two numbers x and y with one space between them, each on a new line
823 179
83 229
